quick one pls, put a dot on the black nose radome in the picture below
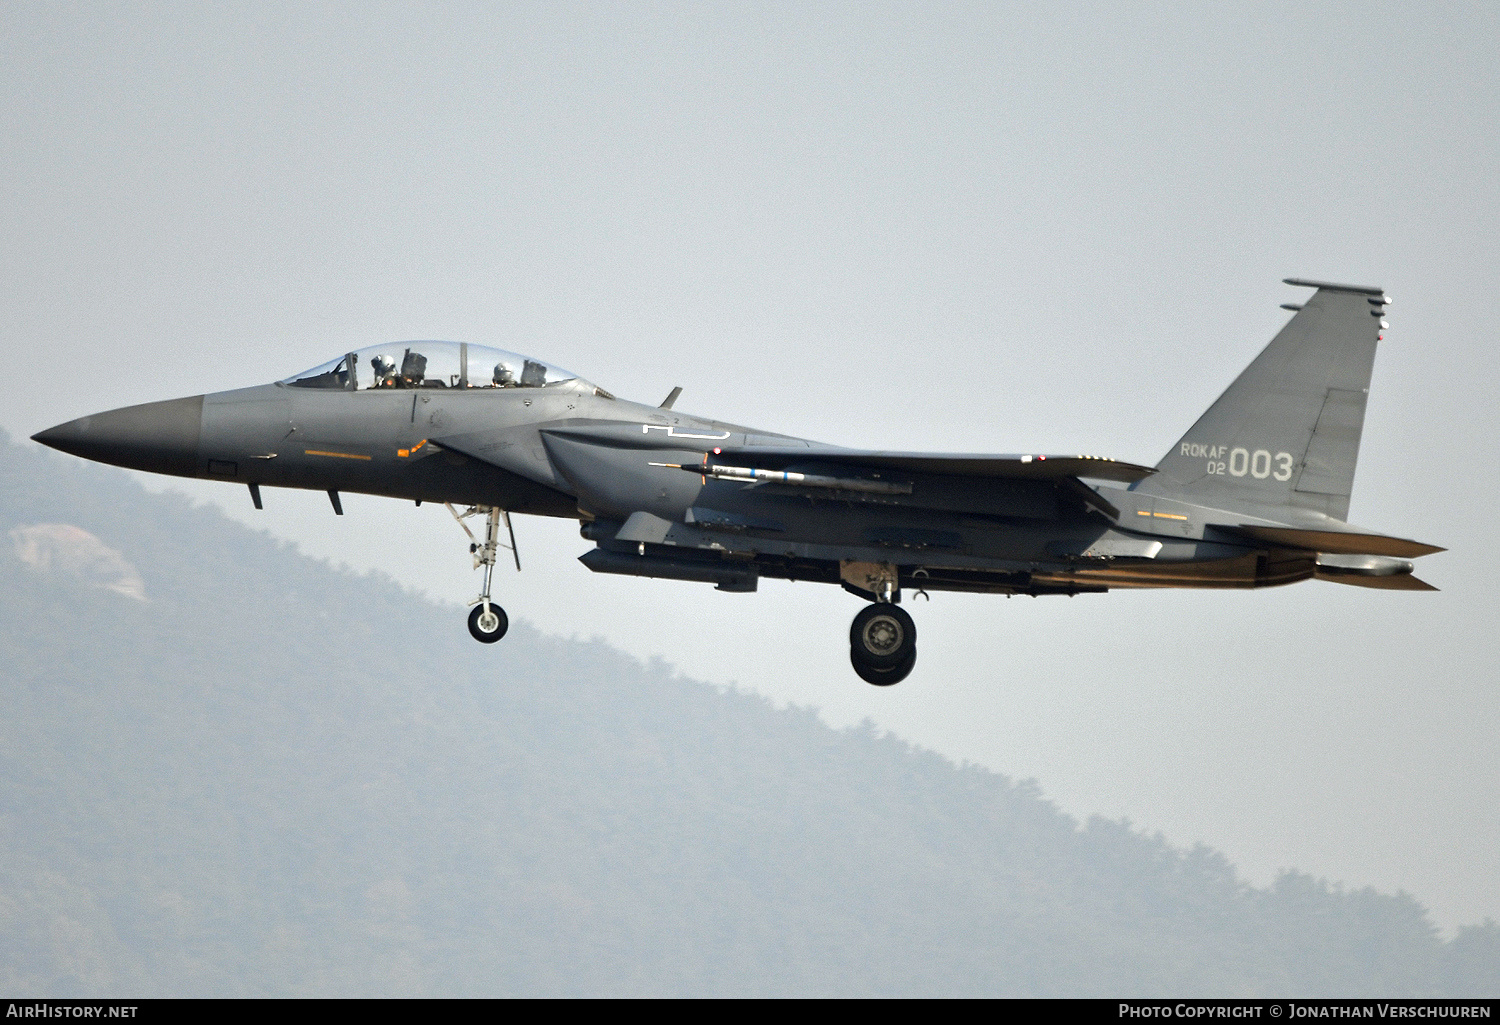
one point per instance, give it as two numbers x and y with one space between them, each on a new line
161 437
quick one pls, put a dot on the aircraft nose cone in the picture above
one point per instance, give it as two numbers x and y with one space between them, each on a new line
161 437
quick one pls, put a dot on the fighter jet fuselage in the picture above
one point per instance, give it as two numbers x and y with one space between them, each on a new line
1255 495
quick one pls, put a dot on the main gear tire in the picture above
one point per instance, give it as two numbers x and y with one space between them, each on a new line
884 677
882 636
488 629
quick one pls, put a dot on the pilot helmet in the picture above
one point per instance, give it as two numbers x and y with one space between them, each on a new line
504 375
384 366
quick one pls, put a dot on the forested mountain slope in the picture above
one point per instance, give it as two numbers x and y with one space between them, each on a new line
228 769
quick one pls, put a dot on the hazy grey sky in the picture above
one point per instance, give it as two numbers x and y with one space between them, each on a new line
962 227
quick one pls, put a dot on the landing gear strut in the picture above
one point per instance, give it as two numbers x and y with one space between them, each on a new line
487 621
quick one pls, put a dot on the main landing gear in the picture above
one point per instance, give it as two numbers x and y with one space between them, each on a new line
883 638
883 644
487 621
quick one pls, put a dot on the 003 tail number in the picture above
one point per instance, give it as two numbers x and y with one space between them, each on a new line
1257 464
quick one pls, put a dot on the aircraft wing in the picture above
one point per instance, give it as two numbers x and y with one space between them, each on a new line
781 457
1016 467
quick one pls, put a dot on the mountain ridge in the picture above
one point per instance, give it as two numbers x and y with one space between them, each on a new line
277 777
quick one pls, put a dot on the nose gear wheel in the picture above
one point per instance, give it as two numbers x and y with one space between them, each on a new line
488 623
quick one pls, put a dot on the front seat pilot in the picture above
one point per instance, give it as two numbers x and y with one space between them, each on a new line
385 371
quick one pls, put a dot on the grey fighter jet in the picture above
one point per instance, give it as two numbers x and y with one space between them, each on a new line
1256 493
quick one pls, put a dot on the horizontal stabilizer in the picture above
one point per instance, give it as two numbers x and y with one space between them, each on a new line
1336 542
1331 286
1398 582
956 465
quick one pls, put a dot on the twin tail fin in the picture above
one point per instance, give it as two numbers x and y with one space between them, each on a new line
1285 435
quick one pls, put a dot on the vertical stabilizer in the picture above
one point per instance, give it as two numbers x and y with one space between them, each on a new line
1286 432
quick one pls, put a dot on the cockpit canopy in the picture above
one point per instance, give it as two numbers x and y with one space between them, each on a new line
431 365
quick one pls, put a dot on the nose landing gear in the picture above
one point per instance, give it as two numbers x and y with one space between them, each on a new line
487 621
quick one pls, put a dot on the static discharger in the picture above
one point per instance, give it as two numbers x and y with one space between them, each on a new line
805 480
